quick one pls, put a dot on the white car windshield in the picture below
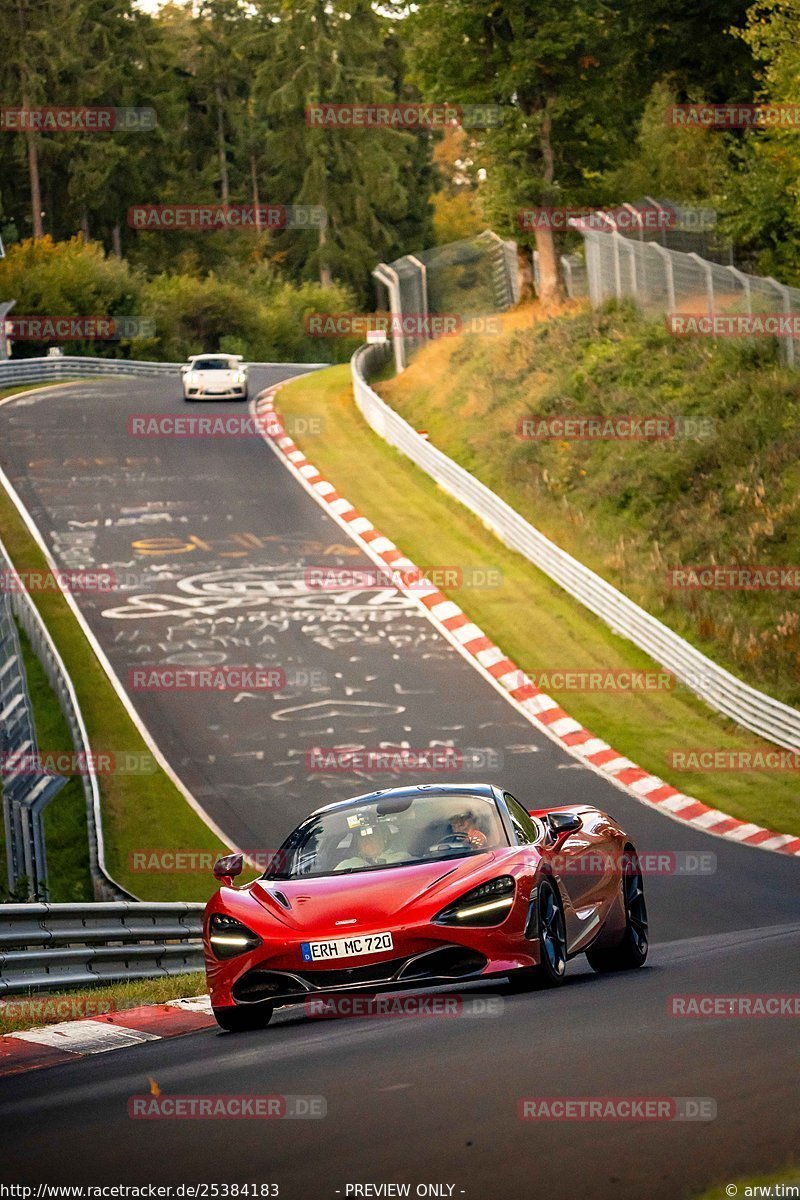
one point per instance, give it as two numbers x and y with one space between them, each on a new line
215 364
389 832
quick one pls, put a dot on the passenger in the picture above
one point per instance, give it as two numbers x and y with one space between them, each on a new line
372 850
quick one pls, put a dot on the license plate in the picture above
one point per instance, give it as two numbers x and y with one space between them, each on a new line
365 943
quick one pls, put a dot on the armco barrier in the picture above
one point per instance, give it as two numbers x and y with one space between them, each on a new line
62 367
754 710
45 946
26 612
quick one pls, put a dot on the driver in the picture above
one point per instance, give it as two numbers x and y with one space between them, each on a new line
371 850
465 825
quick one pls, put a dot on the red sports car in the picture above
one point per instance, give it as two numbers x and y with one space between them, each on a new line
423 885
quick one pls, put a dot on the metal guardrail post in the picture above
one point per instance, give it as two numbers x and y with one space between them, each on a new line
20 603
27 790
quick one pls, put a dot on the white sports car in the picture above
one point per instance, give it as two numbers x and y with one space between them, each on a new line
215 377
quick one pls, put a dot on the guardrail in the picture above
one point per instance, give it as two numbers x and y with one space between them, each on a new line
45 946
61 367
750 708
19 602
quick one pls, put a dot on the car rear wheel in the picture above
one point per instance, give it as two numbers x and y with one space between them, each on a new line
238 1019
551 932
632 950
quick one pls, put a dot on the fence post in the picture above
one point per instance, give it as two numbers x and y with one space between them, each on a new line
384 275
567 265
423 274
788 353
744 280
669 272
616 239
705 267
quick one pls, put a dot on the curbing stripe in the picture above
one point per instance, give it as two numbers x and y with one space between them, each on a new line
539 708
52 1045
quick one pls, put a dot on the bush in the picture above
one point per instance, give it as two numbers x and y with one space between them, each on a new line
255 313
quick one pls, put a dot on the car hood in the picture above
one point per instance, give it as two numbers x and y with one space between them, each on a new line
373 896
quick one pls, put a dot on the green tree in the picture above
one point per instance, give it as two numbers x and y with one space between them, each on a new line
326 53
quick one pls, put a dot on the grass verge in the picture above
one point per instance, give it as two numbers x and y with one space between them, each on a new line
721 488
536 624
48 1008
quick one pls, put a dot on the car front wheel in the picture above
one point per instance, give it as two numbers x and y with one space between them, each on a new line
632 950
551 932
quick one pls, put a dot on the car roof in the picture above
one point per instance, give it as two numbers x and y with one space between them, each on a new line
486 791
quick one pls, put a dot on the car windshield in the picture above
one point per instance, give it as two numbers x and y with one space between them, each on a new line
214 364
389 832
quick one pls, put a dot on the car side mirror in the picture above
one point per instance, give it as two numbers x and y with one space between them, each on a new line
226 869
562 823
185 368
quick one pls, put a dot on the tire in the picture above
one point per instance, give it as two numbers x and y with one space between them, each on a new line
631 952
240 1019
551 932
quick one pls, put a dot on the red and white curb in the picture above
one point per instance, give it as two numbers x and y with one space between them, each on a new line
53 1045
539 708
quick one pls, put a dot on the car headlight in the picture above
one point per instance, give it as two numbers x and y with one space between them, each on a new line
488 904
229 937
240 378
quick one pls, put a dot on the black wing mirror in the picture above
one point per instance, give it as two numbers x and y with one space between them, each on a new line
562 823
226 869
